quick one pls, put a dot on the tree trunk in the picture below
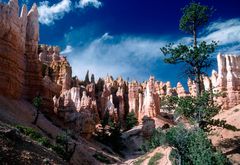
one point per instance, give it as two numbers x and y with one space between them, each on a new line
36 118
194 37
198 81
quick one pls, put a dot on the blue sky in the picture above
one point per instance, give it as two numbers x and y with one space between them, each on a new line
123 37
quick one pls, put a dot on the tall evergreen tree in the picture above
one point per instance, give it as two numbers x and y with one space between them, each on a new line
197 56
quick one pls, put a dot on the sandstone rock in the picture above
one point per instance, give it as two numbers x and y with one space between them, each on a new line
192 87
85 124
227 80
49 90
133 97
12 49
180 90
78 110
151 101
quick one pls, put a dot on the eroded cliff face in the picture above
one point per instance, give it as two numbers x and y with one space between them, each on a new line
226 80
28 69
15 47
55 66
145 98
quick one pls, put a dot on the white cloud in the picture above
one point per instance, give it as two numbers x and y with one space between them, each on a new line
226 32
85 3
138 57
48 14
106 36
67 50
116 55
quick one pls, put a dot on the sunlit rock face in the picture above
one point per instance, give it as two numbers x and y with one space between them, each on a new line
55 66
18 51
112 98
227 80
180 90
192 87
77 110
135 97
151 102
144 98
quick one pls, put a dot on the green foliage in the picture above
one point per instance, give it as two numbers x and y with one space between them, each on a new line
37 102
131 120
197 57
194 147
153 160
61 146
106 119
59 149
101 158
111 133
158 138
174 157
33 134
200 108
218 123
194 15
169 102
62 139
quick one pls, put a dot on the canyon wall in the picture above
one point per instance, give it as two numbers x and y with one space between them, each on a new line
28 70
227 80
20 70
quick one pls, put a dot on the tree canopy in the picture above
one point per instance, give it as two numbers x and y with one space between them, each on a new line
198 56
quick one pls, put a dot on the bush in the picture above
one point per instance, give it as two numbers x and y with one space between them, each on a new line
61 148
158 138
131 120
110 134
153 160
200 110
33 134
194 147
174 157
45 142
101 158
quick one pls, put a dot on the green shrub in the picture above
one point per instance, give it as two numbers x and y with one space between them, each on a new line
62 139
174 157
101 158
45 142
153 160
200 110
59 150
131 120
194 147
158 138
61 146
33 134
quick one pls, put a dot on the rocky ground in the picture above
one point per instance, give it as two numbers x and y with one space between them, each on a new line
19 149
228 141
